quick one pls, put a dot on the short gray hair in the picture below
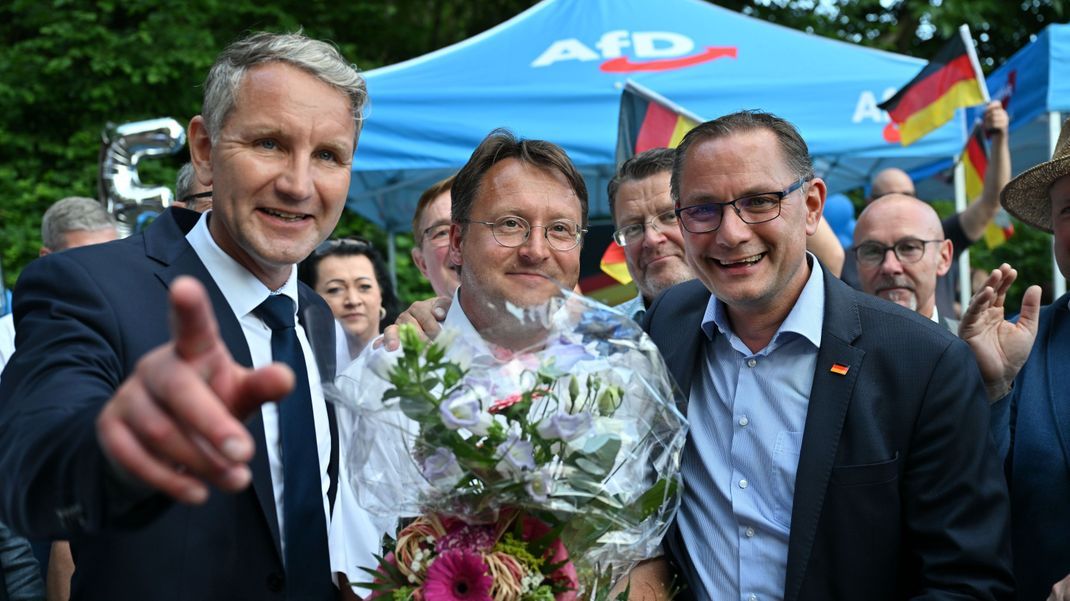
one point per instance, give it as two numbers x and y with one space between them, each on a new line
792 146
641 166
72 214
184 182
319 59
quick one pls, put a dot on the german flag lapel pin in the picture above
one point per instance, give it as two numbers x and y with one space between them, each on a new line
840 369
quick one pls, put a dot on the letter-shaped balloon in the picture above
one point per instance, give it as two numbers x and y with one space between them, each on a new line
120 186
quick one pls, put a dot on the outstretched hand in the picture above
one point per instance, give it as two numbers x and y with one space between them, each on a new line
175 423
1001 346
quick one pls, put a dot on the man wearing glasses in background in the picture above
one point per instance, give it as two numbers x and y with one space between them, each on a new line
837 445
190 192
431 238
911 230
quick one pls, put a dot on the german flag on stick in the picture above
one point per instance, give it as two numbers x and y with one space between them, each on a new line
649 120
953 79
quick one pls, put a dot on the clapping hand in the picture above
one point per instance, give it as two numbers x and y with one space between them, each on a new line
175 423
1001 346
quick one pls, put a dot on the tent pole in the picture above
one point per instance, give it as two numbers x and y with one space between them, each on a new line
1057 279
964 258
391 258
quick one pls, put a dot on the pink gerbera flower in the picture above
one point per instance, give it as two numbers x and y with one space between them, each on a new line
457 576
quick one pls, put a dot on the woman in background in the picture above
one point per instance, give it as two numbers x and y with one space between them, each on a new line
351 276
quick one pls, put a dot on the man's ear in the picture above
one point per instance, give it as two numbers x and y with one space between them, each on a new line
418 259
457 232
947 252
200 150
816 191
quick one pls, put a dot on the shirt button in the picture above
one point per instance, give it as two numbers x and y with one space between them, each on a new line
752 362
753 598
750 532
743 483
743 421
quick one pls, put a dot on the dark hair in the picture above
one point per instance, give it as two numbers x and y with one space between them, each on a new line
640 166
308 270
792 146
426 198
499 145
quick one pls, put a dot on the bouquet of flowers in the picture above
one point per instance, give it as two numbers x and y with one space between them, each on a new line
538 474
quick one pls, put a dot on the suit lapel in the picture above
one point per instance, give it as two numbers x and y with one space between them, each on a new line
680 336
829 399
1058 377
165 242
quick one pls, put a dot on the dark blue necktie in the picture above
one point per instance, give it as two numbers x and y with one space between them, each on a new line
308 566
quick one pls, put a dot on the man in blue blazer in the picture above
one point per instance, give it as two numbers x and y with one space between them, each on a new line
837 445
125 436
1024 365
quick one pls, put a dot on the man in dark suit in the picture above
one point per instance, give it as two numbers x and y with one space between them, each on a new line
107 418
837 447
1024 365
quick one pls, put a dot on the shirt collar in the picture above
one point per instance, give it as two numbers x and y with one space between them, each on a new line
806 318
243 291
936 314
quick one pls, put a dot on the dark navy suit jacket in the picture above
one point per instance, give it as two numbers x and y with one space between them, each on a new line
84 318
1032 428
898 493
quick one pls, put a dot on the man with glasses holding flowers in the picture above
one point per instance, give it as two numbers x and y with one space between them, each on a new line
838 445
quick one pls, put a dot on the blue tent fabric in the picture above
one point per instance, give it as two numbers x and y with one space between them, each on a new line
556 72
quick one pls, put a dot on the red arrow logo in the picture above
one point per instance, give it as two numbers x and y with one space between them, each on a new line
623 64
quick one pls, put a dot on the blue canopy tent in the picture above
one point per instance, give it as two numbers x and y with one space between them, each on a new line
556 72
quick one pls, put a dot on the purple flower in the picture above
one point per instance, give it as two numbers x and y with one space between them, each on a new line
441 469
565 426
463 409
563 357
516 456
540 484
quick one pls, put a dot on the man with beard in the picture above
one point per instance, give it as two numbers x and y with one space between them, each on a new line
900 251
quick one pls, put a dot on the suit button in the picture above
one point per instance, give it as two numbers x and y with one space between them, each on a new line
275 582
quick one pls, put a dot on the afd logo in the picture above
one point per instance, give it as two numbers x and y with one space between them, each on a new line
649 50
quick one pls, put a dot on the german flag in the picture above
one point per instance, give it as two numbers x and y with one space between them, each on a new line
648 120
613 264
975 160
951 80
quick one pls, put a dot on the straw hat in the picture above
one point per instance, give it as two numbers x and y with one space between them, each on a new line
1026 196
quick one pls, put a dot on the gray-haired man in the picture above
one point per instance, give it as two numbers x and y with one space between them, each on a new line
102 440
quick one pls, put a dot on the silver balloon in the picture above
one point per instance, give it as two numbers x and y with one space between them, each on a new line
121 189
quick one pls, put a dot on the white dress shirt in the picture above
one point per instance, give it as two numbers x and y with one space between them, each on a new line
244 293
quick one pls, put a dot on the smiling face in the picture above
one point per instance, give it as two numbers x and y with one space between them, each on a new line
757 270
529 274
895 218
656 262
432 255
348 284
279 169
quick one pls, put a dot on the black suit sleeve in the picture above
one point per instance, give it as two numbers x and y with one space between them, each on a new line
67 364
956 505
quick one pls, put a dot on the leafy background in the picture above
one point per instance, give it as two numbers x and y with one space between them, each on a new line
70 67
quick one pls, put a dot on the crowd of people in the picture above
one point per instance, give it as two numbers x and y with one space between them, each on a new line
841 446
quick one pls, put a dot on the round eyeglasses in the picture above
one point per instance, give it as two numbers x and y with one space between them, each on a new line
907 250
633 233
756 208
511 231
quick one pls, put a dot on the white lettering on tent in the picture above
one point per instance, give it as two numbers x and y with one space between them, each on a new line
612 42
565 50
657 44
867 108
644 44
